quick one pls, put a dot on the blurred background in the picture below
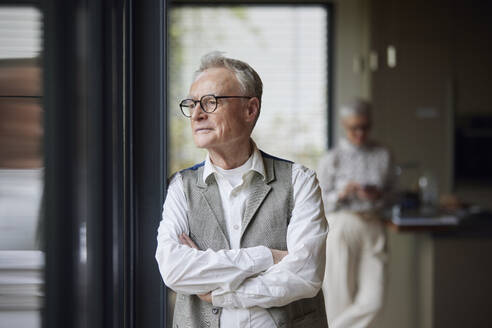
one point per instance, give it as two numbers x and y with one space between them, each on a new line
90 129
21 165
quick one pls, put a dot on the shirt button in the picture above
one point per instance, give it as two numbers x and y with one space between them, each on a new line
235 227
215 310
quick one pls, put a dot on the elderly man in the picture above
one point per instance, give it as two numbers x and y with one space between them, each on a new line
242 236
356 179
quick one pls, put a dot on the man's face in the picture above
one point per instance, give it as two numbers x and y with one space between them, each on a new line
357 129
228 125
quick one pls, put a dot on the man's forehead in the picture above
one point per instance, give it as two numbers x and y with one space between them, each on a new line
214 81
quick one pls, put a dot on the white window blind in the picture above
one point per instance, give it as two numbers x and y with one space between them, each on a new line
20 32
286 45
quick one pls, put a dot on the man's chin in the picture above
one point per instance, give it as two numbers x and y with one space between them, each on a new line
202 142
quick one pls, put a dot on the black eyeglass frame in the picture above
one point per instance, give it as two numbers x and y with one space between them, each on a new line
201 104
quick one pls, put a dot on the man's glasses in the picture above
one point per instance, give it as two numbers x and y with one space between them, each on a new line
208 103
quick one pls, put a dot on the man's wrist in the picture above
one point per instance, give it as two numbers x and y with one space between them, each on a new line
225 300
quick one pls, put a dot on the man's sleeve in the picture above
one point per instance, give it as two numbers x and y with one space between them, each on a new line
191 271
300 273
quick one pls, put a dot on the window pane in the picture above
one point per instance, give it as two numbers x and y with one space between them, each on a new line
21 172
287 45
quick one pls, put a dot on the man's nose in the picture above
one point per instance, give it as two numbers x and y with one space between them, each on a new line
197 113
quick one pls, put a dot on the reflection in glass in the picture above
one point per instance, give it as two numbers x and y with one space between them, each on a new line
21 167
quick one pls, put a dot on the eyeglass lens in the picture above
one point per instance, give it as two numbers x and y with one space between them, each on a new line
208 104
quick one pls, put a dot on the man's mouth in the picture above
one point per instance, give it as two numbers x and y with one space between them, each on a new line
203 130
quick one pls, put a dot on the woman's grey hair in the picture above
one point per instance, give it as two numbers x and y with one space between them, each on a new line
356 107
247 77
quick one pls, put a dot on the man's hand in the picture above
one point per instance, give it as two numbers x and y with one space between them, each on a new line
186 240
206 297
278 255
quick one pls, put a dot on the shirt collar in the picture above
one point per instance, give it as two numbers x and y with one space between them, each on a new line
257 166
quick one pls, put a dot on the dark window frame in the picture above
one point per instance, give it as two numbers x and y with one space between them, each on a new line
105 154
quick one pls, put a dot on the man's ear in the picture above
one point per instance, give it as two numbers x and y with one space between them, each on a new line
252 109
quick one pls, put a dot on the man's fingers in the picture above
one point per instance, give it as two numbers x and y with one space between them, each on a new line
190 242
278 255
206 297
185 239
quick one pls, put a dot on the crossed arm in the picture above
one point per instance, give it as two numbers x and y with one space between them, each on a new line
277 255
255 276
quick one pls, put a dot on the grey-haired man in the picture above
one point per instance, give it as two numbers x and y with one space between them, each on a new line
242 236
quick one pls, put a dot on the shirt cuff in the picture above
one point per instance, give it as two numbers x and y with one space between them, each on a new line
224 300
262 258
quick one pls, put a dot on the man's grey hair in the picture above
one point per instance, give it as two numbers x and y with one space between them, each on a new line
355 108
247 77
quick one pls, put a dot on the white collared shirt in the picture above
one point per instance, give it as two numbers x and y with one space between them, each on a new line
244 281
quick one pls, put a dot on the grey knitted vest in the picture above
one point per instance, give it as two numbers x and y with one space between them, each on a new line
266 217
